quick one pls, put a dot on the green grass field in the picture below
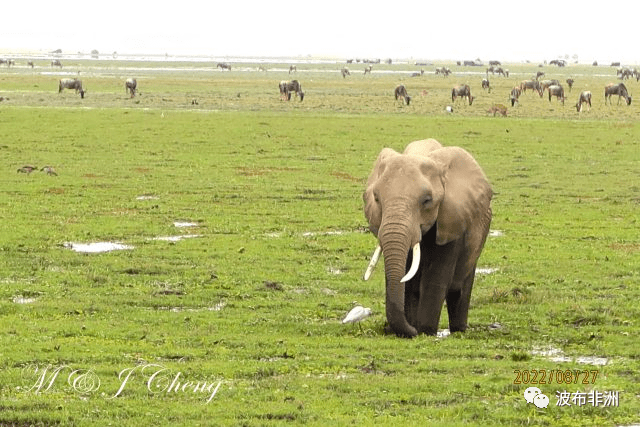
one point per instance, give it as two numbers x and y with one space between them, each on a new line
238 323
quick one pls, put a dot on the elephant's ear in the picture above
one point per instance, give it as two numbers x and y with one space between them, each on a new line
467 194
372 210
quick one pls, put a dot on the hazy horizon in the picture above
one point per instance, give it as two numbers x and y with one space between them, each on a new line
443 31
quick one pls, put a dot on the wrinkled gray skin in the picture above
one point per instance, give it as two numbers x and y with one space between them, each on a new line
438 197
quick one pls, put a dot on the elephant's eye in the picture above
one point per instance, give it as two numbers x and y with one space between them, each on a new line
427 200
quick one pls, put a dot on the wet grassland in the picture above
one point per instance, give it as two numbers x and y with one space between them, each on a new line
245 244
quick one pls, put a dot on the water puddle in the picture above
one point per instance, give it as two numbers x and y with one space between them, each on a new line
276 234
557 355
19 299
96 247
218 307
323 233
176 238
182 224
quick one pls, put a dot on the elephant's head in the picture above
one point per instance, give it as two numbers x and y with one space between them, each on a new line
406 196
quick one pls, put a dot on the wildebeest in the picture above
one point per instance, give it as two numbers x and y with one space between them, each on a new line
585 98
462 91
130 86
499 70
223 66
445 71
616 89
531 84
570 83
345 72
27 169
289 87
49 170
557 91
56 63
625 73
75 84
515 95
544 84
421 73
401 92
30 64
368 69
486 85
293 68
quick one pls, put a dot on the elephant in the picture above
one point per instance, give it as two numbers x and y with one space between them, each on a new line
430 209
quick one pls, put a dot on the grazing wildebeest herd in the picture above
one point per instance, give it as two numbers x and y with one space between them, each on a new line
536 84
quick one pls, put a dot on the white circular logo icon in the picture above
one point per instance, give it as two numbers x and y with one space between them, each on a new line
531 393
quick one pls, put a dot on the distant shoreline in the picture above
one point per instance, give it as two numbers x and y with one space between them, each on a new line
33 54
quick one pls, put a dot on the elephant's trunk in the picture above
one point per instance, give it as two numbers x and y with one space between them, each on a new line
395 241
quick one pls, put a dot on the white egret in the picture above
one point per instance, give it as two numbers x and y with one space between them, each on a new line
357 314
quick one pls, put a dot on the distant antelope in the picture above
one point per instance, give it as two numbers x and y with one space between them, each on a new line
498 108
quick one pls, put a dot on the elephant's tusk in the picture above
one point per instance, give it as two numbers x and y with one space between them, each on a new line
373 262
415 263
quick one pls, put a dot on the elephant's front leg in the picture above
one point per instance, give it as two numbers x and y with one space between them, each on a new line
458 300
439 268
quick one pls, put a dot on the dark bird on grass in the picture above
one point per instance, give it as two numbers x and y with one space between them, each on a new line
49 170
27 169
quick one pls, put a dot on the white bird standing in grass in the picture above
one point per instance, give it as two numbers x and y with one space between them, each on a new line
357 314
